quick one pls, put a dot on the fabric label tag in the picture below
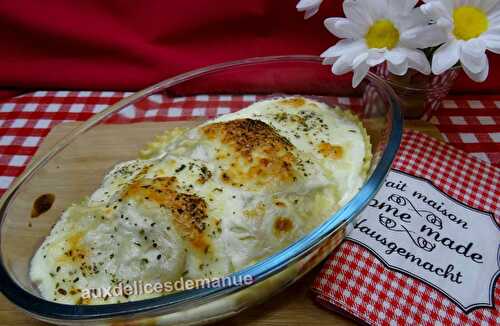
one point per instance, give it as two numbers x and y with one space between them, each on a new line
416 229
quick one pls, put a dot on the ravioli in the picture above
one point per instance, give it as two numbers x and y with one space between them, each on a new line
207 201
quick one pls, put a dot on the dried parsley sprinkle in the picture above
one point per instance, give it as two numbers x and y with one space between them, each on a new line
179 169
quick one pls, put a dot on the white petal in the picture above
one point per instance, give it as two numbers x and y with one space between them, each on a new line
329 60
417 60
310 13
377 9
448 4
414 17
445 57
345 61
343 47
308 4
399 69
360 59
493 26
395 56
359 74
375 57
493 30
487 5
492 38
343 27
416 32
492 42
473 3
473 55
445 23
342 65
494 15
402 7
494 47
356 13
311 7
435 10
424 36
480 76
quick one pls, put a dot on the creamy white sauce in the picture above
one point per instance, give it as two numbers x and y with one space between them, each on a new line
131 240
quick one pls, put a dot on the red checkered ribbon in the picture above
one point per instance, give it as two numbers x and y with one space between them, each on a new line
354 281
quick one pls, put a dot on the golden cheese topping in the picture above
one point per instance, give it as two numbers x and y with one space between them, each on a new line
207 201
189 211
330 151
253 152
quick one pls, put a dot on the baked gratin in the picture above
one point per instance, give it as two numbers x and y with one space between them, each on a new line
207 201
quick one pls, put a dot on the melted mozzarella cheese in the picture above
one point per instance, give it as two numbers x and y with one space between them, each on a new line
207 201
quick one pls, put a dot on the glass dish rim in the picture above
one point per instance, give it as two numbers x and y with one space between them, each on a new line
259 271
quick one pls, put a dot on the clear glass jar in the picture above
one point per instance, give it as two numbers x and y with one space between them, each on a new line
419 95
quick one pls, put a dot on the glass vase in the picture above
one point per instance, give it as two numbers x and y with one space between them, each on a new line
419 95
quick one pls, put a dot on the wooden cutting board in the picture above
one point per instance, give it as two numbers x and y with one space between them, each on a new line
293 306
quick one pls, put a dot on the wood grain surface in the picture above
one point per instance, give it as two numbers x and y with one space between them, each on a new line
293 306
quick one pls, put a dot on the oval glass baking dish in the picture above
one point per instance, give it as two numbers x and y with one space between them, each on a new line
73 168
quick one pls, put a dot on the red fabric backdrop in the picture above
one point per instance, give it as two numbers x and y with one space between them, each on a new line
127 45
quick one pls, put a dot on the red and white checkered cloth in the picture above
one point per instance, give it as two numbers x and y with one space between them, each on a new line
354 281
472 124
25 120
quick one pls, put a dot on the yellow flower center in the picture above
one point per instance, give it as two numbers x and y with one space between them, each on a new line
470 22
382 34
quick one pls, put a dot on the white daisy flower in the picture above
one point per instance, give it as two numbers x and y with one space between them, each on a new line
376 31
311 7
472 27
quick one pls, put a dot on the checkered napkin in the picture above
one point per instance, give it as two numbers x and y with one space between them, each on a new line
472 124
355 282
